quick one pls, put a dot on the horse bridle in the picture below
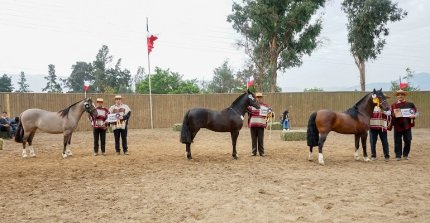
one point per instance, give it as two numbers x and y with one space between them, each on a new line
87 107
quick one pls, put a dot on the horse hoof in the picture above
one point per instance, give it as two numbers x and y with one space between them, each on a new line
321 163
366 159
356 156
24 155
235 157
64 155
33 155
189 157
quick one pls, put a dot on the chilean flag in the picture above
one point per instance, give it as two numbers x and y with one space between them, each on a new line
250 82
150 42
86 85
403 85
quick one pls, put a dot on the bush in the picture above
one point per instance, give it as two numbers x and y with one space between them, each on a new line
293 135
177 127
275 126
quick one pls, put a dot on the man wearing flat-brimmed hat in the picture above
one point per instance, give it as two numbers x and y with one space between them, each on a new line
403 114
123 113
99 127
378 127
257 122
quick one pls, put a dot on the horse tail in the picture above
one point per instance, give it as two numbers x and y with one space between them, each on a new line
19 132
185 131
312 132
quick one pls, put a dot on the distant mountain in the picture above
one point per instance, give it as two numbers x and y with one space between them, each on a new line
36 82
420 80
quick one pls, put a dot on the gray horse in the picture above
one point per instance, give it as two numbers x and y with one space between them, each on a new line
64 121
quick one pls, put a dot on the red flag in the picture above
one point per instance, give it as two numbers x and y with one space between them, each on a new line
150 41
86 85
403 85
250 82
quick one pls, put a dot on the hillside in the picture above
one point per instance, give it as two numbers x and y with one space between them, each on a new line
420 80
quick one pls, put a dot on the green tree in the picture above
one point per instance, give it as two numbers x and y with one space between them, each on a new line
81 71
243 76
22 83
367 27
395 85
167 82
118 79
100 68
276 34
223 80
52 86
139 76
6 83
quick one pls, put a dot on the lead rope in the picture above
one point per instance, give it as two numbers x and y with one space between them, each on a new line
270 116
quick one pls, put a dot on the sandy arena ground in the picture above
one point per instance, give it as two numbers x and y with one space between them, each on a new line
156 183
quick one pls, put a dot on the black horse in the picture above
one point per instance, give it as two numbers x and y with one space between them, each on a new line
227 120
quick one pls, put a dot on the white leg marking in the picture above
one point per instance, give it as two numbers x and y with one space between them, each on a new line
64 155
310 157
366 159
32 153
24 153
321 158
356 156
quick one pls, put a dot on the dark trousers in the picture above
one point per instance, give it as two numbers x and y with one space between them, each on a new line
257 137
117 133
99 134
407 138
374 138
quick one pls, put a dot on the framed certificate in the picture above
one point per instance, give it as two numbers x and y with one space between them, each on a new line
112 118
404 112
264 111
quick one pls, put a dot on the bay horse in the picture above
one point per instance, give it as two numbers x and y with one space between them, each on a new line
355 120
64 121
228 120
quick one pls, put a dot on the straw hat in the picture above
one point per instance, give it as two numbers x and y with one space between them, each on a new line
259 94
100 100
401 91
118 97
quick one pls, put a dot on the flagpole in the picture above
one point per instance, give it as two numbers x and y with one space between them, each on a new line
149 76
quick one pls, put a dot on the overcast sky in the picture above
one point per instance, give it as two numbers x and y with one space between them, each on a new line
194 39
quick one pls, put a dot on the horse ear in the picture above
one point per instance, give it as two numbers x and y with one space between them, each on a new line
374 91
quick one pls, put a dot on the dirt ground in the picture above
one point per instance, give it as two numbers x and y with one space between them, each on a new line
156 183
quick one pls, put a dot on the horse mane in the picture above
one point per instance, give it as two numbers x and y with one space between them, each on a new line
65 112
237 99
353 111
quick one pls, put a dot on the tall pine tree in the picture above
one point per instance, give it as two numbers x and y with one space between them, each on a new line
52 86
22 83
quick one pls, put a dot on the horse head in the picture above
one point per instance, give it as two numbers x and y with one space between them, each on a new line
252 101
90 107
379 99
